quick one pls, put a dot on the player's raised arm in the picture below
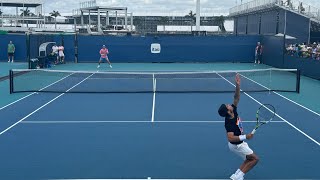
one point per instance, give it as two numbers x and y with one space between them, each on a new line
237 93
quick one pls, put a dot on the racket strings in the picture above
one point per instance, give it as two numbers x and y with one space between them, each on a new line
266 113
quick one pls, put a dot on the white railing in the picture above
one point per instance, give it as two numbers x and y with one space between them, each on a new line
19 17
22 1
252 6
83 5
76 12
88 4
293 5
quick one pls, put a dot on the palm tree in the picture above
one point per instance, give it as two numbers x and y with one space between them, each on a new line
192 16
164 20
138 23
55 14
11 21
220 22
24 13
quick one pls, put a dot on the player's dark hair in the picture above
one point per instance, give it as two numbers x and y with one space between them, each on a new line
223 111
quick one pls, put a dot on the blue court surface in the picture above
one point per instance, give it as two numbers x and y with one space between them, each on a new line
5 67
151 136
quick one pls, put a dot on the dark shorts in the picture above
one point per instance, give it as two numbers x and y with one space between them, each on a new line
102 58
10 54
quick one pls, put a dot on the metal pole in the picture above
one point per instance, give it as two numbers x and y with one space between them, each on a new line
89 18
284 37
1 14
126 19
44 16
309 30
116 20
131 21
23 13
75 24
17 15
99 23
82 18
107 19
285 23
198 16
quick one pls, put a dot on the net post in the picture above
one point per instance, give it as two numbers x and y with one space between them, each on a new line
270 81
298 81
11 81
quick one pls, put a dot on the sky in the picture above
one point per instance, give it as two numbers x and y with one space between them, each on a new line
170 7
157 7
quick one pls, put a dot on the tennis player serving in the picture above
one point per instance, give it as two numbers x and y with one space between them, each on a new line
104 55
236 137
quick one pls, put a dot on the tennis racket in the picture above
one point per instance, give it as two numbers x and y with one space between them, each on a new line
264 115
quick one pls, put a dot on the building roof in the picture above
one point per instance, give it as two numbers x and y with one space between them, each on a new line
21 3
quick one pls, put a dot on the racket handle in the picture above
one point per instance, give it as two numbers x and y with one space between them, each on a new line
253 131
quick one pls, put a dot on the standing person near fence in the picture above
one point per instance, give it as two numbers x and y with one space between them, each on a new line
11 50
104 55
236 136
61 53
258 53
55 53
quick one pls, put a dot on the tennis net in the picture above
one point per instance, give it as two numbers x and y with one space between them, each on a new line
59 81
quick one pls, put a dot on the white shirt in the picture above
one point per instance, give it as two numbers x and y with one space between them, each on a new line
55 49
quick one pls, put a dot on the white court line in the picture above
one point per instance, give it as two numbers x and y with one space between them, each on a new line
29 115
17 101
309 137
42 107
282 96
297 103
33 93
93 122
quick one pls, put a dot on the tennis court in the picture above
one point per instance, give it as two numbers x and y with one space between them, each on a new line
151 125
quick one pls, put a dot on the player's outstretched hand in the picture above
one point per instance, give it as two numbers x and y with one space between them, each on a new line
237 79
249 136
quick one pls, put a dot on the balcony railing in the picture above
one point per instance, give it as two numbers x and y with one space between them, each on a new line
293 5
19 17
